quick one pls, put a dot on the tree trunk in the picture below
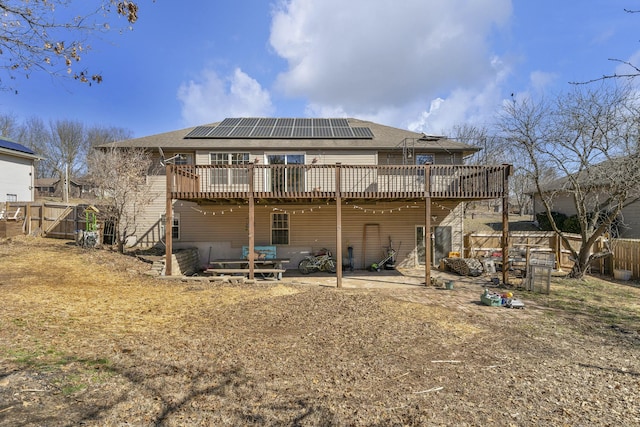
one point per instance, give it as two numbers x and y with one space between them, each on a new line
581 265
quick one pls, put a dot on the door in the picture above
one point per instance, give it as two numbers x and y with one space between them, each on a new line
440 243
283 178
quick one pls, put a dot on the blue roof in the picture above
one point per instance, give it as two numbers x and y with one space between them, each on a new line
5 143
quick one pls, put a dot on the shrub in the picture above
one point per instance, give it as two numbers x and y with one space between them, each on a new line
544 223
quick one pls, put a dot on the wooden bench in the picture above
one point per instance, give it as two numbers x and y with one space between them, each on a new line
267 268
267 273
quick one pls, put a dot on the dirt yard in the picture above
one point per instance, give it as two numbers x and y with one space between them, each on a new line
87 339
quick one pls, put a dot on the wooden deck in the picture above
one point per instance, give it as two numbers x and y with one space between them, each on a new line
313 182
251 183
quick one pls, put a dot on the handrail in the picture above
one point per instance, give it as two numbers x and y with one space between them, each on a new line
356 181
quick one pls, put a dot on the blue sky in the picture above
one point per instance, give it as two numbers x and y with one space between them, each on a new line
415 64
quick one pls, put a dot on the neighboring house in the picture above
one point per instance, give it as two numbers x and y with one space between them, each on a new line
274 181
54 187
17 172
562 201
46 187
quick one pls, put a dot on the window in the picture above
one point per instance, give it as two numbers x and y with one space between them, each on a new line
175 229
232 175
183 159
424 159
279 229
12 197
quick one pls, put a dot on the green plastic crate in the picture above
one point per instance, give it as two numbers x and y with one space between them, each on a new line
491 301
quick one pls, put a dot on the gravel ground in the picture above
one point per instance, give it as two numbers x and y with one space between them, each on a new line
87 339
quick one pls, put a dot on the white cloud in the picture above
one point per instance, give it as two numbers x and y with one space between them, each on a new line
630 66
380 59
211 98
541 80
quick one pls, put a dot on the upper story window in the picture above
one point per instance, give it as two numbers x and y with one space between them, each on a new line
183 159
12 197
232 175
425 159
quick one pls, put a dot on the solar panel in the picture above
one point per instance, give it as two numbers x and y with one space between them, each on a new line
5 143
240 131
285 122
254 127
362 132
262 131
321 123
230 122
323 132
200 131
281 131
304 122
249 122
342 132
343 123
221 131
271 122
303 132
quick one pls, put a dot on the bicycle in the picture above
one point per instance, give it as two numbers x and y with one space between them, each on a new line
320 261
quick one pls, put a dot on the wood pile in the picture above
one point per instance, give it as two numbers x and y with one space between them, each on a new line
464 266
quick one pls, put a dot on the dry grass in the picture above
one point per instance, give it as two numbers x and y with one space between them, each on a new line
85 338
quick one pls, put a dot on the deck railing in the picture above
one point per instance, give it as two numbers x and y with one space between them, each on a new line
319 181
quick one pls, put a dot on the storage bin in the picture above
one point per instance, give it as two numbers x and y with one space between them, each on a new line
620 274
493 301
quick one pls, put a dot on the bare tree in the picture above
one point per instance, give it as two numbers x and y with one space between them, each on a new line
497 150
590 137
67 147
100 135
9 126
632 71
34 36
120 176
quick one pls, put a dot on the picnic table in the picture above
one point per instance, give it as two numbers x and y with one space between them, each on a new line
267 268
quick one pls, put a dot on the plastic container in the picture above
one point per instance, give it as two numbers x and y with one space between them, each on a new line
491 300
620 274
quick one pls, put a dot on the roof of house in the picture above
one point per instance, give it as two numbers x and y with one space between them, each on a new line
8 146
48 182
45 182
602 174
267 134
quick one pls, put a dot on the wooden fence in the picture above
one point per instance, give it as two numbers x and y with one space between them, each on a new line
482 244
50 219
626 252
626 256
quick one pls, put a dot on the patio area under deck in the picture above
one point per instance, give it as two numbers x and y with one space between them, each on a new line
338 183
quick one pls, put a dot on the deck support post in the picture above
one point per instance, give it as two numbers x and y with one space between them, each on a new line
505 225
427 241
252 220
338 229
168 223
427 226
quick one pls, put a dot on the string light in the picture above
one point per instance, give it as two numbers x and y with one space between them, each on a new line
365 210
214 213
